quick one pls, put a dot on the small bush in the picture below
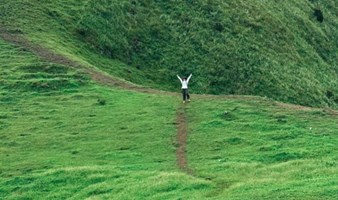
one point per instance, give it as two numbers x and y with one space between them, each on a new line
319 14
285 156
329 94
101 102
219 27
234 140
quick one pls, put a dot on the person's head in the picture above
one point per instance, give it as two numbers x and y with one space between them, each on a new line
184 78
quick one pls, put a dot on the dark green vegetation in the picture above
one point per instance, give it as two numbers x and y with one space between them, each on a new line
64 136
285 50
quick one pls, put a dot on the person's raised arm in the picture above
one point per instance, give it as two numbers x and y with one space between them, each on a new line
189 77
179 78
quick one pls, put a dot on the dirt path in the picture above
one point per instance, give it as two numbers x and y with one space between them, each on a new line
182 137
53 57
105 79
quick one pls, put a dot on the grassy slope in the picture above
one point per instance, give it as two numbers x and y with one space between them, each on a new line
52 27
268 48
68 146
262 151
57 142
60 143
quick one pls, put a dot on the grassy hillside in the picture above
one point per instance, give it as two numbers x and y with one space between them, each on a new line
257 150
62 142
277 49
63 136
74 139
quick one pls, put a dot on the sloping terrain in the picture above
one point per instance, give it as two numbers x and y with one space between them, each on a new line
278 49
70 130
80 140
255 149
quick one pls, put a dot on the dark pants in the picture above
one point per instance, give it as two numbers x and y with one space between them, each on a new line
185 94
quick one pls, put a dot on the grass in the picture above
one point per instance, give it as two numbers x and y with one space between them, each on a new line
22 71
63 142
74 139
63 136
236 47
69 145
254 149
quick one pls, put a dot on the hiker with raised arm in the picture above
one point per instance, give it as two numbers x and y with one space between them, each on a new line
185 91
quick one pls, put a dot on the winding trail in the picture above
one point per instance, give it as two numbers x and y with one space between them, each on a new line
108 80
105 79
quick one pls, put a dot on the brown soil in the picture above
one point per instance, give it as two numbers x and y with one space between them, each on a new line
182 136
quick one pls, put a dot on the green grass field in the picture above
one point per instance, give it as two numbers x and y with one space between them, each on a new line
259 150
68 145
65 136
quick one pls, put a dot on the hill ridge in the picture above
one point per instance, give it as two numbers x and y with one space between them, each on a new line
53 57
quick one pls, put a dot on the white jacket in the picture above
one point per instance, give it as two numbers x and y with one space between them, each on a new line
184 82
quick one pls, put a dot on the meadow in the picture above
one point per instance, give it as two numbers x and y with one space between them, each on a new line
253 148
68 131
82 140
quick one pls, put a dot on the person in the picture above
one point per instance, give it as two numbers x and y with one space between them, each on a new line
185 91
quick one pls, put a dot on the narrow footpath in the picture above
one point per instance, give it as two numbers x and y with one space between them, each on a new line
182 137
96 75
105 79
